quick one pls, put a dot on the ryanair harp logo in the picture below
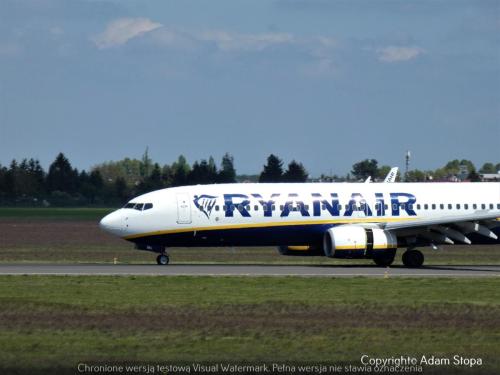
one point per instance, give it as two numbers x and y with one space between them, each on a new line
205 203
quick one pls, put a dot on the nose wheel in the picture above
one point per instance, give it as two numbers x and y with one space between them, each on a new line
162 259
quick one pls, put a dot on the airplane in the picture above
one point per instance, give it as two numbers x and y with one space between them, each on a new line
336 220
391 176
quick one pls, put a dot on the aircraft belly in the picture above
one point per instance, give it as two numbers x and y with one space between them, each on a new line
262 236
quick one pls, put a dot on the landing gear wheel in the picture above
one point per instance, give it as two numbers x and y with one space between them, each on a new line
162 259
413 258
385 259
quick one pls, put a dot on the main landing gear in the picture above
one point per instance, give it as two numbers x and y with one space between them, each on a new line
163 259
413 258
384 259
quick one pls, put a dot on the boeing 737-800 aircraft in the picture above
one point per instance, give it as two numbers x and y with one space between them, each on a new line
340 220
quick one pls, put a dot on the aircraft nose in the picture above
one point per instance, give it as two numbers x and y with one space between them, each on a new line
112 223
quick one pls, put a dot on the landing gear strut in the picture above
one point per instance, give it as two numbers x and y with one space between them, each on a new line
413 258
162 259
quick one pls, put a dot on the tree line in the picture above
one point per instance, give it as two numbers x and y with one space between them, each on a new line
26 183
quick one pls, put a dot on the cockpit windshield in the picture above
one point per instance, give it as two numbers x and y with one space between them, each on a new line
139 206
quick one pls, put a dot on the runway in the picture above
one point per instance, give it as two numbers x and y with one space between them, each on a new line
246 270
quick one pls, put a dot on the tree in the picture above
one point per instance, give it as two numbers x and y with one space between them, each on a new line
120 190
128 169
295 173
273 170
146 164
415 175
365 169
203 172
180 171
154 180
488 168
227 173
473 176
382 172
61 176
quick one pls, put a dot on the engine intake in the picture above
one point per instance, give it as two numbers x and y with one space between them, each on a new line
349 241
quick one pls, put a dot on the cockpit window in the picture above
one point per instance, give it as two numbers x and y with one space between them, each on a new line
139 206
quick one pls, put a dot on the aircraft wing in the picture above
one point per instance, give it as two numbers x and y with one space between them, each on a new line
446 229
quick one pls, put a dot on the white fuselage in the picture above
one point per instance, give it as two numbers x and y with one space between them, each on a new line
288 213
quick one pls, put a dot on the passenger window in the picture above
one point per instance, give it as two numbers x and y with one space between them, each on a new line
323 207
433 206
491 206
217 208
450 206
281 207
458 206
139 206
386 206
224 208
418 206
483 206
394 206
147 206
273 207
474 206
441 206
498 206
264 207
410 206
248 207
256 208
466 206
307 207
426 206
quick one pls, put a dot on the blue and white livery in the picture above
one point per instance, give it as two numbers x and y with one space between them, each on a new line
343 220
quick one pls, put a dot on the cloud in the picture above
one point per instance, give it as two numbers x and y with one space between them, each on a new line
227 41
120 31
392 54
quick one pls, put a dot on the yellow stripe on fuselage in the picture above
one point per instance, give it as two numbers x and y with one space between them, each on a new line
265 225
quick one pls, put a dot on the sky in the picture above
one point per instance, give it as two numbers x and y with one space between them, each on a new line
327 83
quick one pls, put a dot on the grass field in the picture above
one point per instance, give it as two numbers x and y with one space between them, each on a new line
40 213
70 235
57 322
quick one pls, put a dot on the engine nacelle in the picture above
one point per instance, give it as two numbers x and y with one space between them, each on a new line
350 241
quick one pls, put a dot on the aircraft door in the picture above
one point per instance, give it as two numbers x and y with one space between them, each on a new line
183 209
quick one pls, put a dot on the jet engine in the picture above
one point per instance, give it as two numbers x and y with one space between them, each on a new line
350 241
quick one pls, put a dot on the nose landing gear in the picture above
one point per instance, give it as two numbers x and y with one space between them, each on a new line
163 259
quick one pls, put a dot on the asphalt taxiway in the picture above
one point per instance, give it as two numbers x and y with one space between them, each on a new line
247 270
